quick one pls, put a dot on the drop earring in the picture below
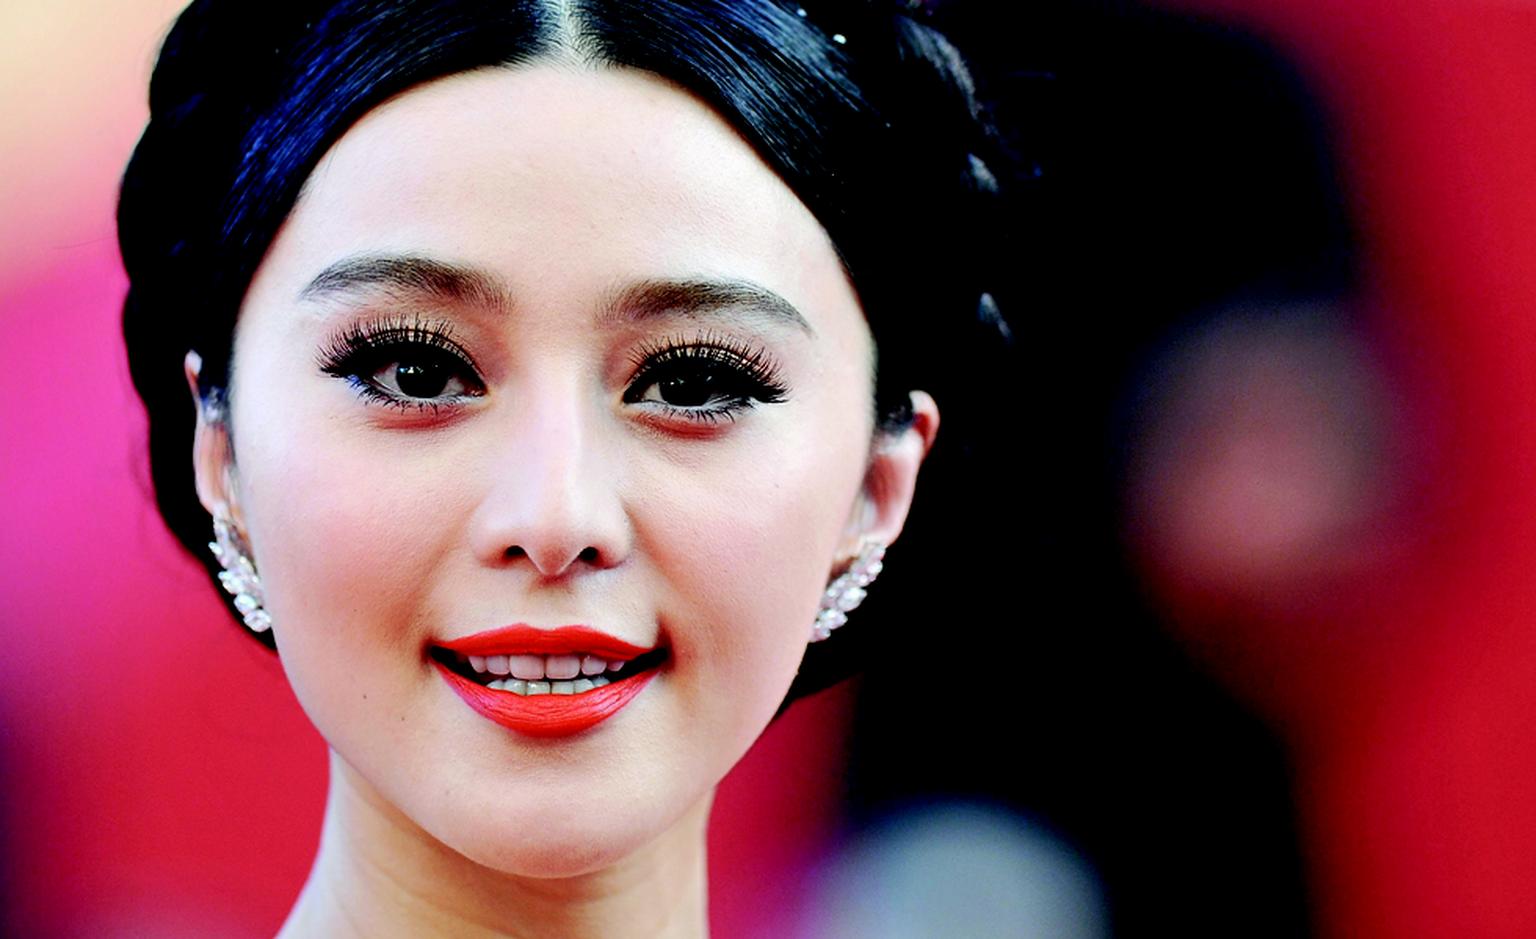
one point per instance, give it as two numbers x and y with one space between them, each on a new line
239 575
847 590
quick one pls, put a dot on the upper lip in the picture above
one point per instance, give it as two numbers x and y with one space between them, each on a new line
522 639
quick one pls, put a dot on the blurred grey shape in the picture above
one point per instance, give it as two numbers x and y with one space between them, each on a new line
958 870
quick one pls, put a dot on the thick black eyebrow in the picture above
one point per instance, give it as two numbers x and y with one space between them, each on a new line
650 299
407 274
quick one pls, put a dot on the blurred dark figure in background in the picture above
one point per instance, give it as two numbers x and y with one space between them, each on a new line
1181 172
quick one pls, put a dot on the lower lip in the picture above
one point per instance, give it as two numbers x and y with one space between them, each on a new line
547 715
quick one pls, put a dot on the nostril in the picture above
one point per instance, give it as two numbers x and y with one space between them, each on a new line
557 562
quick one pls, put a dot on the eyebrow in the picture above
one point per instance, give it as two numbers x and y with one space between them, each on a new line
652 298
407 274
655 298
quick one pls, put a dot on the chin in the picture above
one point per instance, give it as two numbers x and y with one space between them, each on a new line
546 858
553 848
539 822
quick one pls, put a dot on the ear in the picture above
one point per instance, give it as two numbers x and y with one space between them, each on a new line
212 457
891 478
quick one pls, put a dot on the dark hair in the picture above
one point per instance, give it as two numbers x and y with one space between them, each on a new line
862 108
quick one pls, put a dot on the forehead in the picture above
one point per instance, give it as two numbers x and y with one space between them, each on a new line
560 178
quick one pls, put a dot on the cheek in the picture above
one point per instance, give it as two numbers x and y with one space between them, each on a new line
746 549
346 543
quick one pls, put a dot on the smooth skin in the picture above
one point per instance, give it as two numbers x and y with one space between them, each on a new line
555 482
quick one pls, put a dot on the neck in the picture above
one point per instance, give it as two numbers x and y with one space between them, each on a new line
378 874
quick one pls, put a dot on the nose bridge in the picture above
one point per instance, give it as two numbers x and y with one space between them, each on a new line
552 501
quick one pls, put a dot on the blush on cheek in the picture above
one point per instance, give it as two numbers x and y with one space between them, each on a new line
344 593
749 557
340 549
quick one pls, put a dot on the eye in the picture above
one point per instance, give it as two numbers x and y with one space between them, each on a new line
411 364
422 374
704 381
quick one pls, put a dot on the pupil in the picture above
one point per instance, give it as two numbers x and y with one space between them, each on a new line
688 392
421 380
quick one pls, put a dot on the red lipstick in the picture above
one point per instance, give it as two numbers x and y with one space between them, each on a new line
546 715
528 640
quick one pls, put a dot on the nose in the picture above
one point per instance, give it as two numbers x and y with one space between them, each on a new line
552 502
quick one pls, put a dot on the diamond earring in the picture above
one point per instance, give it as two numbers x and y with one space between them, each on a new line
847 590
239 575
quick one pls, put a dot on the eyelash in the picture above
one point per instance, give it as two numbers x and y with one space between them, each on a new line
743 375
748 376
364 348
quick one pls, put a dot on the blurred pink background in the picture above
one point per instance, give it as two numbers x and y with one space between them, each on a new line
159 778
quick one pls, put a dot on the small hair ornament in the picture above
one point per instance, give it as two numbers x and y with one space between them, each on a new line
847 590
239 575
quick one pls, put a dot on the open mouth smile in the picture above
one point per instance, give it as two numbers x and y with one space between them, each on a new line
546 682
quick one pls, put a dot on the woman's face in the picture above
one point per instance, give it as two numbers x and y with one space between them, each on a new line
549 347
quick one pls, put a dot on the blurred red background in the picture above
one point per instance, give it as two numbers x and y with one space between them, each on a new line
160 779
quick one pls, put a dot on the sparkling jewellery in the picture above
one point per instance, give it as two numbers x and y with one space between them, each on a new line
239 575
847 590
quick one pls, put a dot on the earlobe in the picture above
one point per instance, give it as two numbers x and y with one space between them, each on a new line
212 465
891 479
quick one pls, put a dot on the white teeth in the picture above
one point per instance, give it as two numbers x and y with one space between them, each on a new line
564 674
528 667
562 666
540 667
518 686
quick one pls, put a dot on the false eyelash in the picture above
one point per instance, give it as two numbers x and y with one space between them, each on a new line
760 375
392 332
714 349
